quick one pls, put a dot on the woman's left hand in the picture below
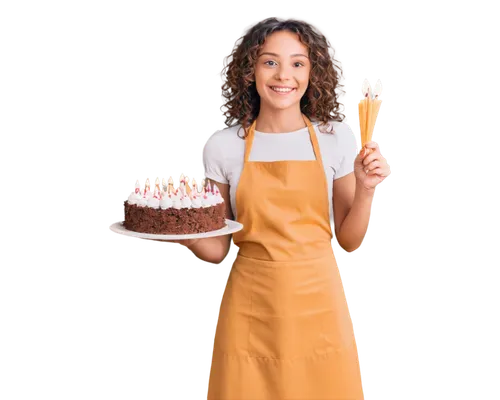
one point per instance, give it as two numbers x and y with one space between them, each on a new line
370 168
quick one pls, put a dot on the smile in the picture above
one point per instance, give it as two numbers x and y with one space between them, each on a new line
282 91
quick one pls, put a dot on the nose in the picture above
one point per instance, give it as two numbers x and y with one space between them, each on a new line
283 72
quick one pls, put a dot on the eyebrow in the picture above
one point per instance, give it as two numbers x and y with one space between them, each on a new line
277 55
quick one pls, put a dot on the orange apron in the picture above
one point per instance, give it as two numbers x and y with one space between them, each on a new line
284 329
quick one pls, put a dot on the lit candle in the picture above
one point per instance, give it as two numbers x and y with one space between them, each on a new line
137 187
194 186
164 185
203 183
188 188
375 105
170 186
368 110
366 89
157 184
156 194
377 90
146 187
182 184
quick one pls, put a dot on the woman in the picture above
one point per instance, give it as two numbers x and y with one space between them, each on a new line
286 169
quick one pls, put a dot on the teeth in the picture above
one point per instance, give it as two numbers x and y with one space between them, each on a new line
281 90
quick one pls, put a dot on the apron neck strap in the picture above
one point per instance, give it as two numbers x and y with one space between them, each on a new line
312 136
314 139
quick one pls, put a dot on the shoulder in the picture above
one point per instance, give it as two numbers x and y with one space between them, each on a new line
220 136
337 132
227 137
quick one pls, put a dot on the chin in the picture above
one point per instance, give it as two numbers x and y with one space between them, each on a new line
279 106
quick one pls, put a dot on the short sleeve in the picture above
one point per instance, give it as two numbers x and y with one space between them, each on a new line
348 150
213 160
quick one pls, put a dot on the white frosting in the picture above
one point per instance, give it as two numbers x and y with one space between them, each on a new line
166 202
196 201
153 202
176 202
134 198
205 201
218 197
193 200
185 202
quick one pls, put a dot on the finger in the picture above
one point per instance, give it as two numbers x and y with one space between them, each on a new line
374 164
377 171
372 145
370 148
375 155
363 153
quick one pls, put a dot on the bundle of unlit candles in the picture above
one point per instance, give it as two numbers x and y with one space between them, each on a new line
368 110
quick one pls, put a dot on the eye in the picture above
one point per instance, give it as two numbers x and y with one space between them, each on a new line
269 62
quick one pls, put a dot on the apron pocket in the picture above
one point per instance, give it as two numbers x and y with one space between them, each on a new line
290 337
336 321
289 314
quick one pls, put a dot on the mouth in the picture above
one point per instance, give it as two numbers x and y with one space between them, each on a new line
282 91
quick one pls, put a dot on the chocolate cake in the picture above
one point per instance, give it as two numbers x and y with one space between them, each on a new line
175 211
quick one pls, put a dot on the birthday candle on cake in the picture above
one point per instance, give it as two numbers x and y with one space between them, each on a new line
146 187
203 184
156 194
170 185
157 183
188 188
137 187
182 185
194 186
164 185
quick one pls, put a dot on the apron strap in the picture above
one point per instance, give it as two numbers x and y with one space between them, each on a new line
312 136
314 139
249 140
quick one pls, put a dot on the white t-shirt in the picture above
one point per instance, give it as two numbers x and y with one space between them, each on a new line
224 152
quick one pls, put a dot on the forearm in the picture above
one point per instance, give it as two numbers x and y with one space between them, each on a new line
354 227
212 249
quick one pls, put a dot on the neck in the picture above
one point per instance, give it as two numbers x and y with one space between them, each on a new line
279 121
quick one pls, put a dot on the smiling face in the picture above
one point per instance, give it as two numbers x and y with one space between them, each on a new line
282 62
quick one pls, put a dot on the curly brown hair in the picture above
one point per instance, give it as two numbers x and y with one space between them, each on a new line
239 89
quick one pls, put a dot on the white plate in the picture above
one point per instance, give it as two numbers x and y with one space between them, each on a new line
231 227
